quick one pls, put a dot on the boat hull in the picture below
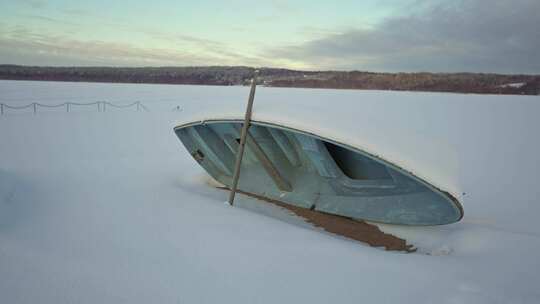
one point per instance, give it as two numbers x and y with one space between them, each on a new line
309 171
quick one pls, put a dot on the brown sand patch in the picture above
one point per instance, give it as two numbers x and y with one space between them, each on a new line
350 228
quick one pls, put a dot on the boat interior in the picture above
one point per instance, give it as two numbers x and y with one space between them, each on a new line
308 171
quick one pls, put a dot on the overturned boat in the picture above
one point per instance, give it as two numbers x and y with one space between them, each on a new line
303 169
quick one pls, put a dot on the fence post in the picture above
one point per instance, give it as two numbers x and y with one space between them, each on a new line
104 106
67 107
35 108
1 109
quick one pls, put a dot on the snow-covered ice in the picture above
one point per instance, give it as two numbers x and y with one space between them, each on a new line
516 85
109 207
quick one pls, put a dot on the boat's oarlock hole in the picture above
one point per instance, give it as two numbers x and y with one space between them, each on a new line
198 155
356 166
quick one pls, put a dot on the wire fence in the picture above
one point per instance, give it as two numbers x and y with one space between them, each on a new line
101 106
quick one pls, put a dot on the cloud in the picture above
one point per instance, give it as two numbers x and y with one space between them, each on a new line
176 37
35 4
48 19
75 12
20 45
432 35
473 35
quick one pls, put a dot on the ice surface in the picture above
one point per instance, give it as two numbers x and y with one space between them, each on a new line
109 207
516 85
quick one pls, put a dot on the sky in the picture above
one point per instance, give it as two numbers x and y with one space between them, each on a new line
500 36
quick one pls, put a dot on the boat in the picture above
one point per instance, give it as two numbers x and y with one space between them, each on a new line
307 170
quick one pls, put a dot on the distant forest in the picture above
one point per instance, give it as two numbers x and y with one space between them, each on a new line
238 75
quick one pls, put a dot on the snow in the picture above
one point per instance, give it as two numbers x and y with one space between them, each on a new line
516 85
109 207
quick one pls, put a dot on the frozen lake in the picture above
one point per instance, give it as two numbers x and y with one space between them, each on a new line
108 207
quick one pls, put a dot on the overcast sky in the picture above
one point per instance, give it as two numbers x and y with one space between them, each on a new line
386 35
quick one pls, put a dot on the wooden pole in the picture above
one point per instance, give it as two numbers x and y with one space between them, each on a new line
267 164
35 108
243 135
